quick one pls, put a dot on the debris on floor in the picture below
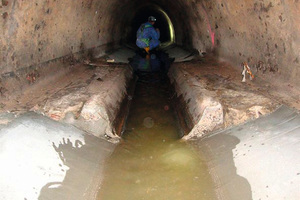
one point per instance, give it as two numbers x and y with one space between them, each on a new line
247 70
213 81
67 97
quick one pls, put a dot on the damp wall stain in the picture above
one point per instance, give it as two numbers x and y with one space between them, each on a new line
253 31
34 32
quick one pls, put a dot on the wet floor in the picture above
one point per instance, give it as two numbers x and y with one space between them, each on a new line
151 162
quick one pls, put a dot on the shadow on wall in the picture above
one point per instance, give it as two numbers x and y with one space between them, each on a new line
218 150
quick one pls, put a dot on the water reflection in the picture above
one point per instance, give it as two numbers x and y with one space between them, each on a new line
157 62
151 163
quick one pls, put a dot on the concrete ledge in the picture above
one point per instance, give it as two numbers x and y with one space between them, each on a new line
205 111
94 107
212 100
100 110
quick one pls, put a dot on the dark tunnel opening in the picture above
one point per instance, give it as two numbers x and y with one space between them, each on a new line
163 23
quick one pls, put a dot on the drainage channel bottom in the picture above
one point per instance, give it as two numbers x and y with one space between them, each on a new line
152 162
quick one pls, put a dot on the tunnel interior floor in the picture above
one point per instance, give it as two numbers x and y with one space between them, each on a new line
151 162
266 84
70 87
220 78
125 52
207 70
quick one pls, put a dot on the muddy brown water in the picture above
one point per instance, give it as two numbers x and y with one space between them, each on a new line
152 162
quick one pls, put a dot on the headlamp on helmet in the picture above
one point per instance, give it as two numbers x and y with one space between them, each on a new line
151 19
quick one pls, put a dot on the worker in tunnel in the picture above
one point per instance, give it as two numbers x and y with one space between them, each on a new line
149 60
148 36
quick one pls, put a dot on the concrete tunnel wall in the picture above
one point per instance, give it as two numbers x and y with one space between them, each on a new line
256 31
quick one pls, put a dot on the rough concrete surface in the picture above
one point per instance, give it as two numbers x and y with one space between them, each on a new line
87 96
263 33
94 107
205 112
34 32
215 97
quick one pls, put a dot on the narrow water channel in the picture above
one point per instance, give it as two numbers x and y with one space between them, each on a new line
151 162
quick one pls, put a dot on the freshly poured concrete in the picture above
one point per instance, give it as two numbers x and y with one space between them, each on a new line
121 55
44 159
256 160
180 54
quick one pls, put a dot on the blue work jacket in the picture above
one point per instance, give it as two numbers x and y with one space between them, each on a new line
147 36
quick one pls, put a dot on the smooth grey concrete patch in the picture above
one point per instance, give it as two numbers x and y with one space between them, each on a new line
5 118
121 55
44 159
257 160
83 179
174 51
180 54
